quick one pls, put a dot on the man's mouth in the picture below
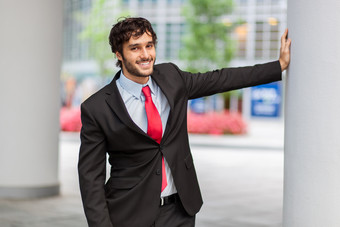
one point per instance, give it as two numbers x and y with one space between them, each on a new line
144 63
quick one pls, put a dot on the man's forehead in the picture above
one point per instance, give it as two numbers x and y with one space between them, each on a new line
144 38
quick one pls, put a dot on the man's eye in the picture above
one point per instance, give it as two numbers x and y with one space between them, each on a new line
134 48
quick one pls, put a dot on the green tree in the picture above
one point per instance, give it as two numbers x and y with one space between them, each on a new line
207 44
103 14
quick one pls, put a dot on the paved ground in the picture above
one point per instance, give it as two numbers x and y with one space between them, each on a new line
241 179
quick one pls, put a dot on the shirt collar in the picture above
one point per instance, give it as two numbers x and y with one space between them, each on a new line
151 85
134 88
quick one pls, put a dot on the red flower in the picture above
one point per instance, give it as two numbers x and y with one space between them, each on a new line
70 119
216 123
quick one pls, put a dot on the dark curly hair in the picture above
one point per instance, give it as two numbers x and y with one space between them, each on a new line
127 27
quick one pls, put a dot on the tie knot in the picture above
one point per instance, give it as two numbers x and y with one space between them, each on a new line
146 91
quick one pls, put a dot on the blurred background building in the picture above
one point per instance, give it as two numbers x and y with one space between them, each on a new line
256 28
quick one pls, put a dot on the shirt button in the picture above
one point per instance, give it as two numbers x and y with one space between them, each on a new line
158 172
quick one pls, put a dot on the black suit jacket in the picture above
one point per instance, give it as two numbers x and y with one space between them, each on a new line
131 195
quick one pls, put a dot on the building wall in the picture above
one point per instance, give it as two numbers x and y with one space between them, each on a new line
258 38
258 26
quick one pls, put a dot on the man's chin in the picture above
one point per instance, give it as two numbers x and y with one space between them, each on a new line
145 73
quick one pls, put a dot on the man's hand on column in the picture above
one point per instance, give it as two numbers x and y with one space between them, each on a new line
285 50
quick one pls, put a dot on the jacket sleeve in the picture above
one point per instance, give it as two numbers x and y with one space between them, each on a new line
222 80
92 171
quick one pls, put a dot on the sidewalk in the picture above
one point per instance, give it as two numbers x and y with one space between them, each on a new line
262 135
250 168
241 177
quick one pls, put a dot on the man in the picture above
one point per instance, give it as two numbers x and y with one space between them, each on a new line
140 121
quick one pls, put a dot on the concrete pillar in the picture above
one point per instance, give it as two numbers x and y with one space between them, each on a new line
312 120
30 59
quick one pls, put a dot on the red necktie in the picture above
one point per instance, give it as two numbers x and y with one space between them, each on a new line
154 126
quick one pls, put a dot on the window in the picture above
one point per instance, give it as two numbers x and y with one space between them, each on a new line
260 2
175 1
259 39
274 41
141 1
74 49
267 38
174 33
241 36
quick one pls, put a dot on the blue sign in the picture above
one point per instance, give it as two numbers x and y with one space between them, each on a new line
266 100
197 105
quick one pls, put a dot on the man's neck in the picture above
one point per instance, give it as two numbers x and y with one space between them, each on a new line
137 79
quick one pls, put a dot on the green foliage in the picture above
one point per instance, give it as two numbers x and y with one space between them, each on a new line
207 44
97 29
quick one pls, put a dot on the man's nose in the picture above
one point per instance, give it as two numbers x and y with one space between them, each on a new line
144 53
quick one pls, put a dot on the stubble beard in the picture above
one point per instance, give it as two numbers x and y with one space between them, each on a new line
133 70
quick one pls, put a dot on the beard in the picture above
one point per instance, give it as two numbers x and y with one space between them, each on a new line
133 70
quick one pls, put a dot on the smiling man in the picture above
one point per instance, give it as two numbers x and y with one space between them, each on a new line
138 56
139 121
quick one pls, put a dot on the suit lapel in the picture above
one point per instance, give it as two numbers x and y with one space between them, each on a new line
115 101
159 78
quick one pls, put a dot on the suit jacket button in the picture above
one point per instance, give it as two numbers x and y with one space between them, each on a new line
158 172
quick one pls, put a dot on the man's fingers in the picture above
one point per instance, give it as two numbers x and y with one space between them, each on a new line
289 41
284 38
285 50
287 45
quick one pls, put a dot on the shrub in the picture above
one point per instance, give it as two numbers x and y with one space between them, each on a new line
216 123
70 119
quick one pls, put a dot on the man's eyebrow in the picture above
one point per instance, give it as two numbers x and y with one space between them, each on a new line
134 45
138 44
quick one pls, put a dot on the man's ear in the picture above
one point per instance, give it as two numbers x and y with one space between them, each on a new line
119 56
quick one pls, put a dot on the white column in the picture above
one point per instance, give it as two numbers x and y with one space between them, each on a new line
30 59
312 127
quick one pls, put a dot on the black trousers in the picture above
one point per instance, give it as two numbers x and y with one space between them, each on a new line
173 215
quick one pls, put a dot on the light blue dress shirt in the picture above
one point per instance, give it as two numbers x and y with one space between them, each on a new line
134 100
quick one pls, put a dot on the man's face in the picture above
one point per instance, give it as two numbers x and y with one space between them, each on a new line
138 58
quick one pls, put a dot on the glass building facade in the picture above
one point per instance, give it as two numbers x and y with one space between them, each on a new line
258 36
256 28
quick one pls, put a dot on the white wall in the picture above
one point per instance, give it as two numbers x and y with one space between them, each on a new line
312 127
30 59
